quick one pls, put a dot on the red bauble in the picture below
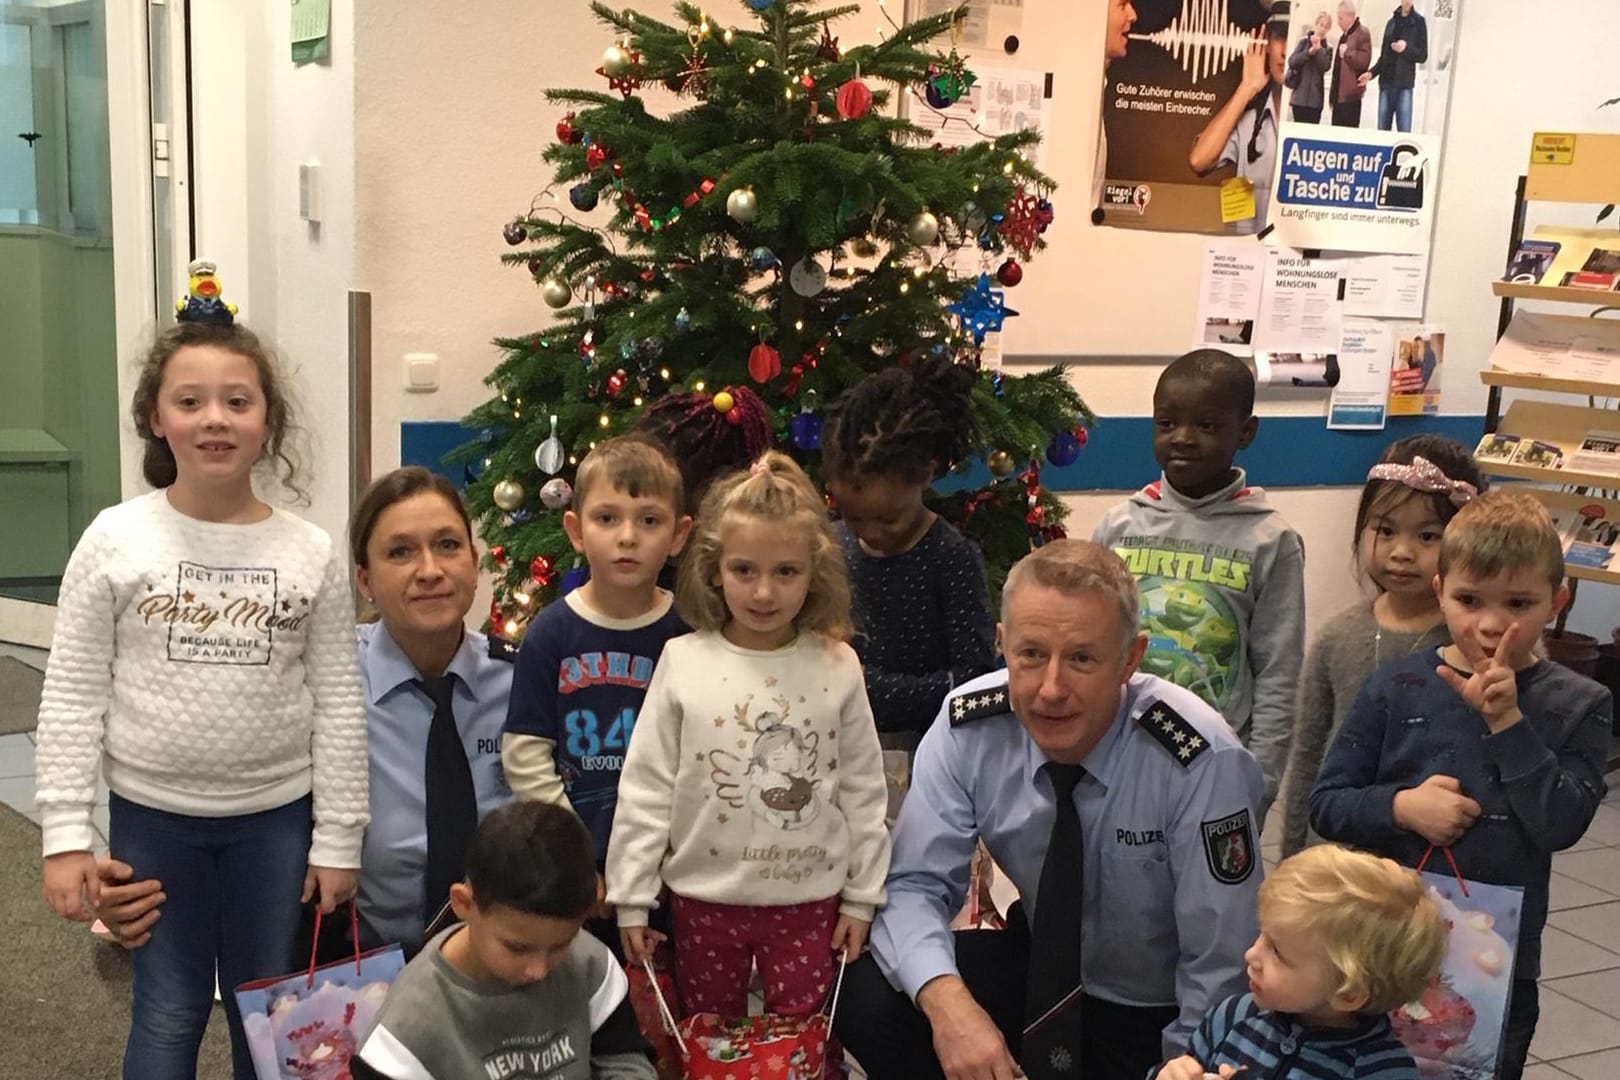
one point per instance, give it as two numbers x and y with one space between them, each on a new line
498 553
854 100
1010 273
595 155
764 363
566 132
541 570
615 382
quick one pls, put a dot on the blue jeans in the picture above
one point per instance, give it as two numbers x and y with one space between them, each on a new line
1524 1009
1394 104
232 885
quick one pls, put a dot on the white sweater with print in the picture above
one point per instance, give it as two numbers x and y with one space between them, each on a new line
210 669
752 778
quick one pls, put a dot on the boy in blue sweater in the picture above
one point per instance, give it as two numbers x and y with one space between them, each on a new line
1345 938
583 668
1481 746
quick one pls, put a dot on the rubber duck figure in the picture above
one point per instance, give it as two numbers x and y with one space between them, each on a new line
202 302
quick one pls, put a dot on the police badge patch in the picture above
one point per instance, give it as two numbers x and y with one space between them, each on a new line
1229 848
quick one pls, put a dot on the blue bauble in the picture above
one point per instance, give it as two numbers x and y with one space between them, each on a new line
935 98
1064 449
573 578
761 259
583 196
806 431
683 320
760 5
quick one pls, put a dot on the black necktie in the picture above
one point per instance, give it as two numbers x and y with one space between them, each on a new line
452 803
1051 1044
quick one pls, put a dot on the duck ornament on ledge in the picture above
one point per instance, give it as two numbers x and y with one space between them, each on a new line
202 302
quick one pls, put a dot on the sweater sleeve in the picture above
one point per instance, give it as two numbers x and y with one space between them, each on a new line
1276 648
341 783
1313 719
1348 804
1555 791
529 737
862 800
73 706
641 820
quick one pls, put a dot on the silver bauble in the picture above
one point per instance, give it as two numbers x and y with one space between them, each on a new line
556 493
615 60
555 292
743 205
508 495
924 229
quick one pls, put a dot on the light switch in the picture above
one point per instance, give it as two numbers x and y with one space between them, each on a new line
309 192
421 372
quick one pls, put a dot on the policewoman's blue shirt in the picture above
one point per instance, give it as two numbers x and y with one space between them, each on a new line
393 861
1171 845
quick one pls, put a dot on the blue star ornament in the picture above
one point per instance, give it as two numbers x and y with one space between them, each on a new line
981 309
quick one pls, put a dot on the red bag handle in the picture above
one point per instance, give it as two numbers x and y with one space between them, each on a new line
314 949
1450 858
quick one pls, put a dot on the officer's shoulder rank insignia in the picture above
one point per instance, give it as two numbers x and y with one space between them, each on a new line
501 649
1173 733
973 705
1229 847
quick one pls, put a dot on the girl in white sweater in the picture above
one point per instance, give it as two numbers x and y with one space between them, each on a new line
204 662
753 785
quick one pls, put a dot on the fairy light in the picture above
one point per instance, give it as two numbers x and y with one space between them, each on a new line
798 324
1007 169
572 460
918 271
726 37
760 64
511 627
603 420
663 373
636 401
698 386
905 287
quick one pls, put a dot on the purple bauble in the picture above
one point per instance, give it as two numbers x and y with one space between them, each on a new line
1064 449
806 431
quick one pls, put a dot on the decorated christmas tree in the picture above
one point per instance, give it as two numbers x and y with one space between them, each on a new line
775 225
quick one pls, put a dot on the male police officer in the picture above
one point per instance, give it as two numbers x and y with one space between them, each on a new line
1138 883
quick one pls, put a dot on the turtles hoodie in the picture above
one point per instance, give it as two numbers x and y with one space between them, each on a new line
1222 580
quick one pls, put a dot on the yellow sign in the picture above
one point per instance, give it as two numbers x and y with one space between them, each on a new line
1552 149
1237 200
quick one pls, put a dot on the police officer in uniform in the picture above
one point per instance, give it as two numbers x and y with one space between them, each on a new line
435 769
1138 883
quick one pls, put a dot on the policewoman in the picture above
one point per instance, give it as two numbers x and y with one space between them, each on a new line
435 696
1123 810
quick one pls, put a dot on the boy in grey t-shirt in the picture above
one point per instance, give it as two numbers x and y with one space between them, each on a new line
516 991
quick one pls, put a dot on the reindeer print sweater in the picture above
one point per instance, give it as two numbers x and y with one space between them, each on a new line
752 778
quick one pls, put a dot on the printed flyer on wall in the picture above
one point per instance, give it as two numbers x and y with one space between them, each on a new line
1358 160
1414 384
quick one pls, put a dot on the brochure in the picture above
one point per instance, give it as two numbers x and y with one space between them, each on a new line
1497 447
1537 455
1531 260
1599 452
1589 534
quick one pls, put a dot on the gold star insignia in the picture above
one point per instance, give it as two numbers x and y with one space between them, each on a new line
286 605
189 597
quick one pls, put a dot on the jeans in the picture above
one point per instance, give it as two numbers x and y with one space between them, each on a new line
1394 104
1524 1009
232 885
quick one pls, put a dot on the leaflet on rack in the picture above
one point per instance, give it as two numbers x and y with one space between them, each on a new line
1560 346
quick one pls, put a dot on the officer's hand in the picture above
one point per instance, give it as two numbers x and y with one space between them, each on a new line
966 1041
1436 810
127 908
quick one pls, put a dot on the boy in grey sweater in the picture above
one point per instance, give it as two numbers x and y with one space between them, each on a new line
1222 575
515 990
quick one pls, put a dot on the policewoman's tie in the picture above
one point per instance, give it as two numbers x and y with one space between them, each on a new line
452 803
1051 1043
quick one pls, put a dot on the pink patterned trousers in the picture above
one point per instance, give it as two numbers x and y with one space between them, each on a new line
717 944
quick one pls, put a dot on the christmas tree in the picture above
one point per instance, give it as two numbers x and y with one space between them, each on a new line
779 228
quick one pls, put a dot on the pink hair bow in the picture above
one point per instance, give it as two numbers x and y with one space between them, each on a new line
1424 475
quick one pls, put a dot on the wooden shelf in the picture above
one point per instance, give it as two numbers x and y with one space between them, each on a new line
1592 573
1592 297
1519 380
1562 425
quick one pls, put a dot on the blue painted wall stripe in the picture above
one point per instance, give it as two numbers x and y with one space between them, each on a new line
1289 451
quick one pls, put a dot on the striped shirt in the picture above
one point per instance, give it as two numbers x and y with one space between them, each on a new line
1274 1046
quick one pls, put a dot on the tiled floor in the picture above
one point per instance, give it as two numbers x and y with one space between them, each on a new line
1579 1033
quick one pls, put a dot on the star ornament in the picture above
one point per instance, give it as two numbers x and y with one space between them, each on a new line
952 80
981 309
630 81
1023 222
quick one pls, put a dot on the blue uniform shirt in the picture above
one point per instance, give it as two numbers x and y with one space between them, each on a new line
1170 846
393 862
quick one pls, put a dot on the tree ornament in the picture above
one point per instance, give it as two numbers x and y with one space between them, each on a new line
497 555
724 402
555 292
1021 223
556 493
1064 449
1010 273
761 259
980 309
508 495
596 155
924 229
1081 433
540 567
805 429
854 99
808 277
742 205
949 80
566 132
616 60
683 321
931 93
514 233
548 456
615 382
827 50
764 363
583 197
573 578
760 5
1000 463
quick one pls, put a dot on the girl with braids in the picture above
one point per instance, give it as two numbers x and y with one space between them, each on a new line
709 435
919 585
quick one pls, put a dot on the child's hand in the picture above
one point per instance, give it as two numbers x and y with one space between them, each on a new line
1436 810
71 885
1187 1067
1493 689
603 909
330 886
639 942
849 937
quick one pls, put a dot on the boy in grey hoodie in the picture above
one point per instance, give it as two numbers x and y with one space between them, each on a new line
1222 575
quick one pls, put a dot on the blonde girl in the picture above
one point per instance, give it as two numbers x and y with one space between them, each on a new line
1416 488
771 863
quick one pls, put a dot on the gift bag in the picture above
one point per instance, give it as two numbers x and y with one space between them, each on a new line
647 987
306 1026
1455 1030
759 1047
